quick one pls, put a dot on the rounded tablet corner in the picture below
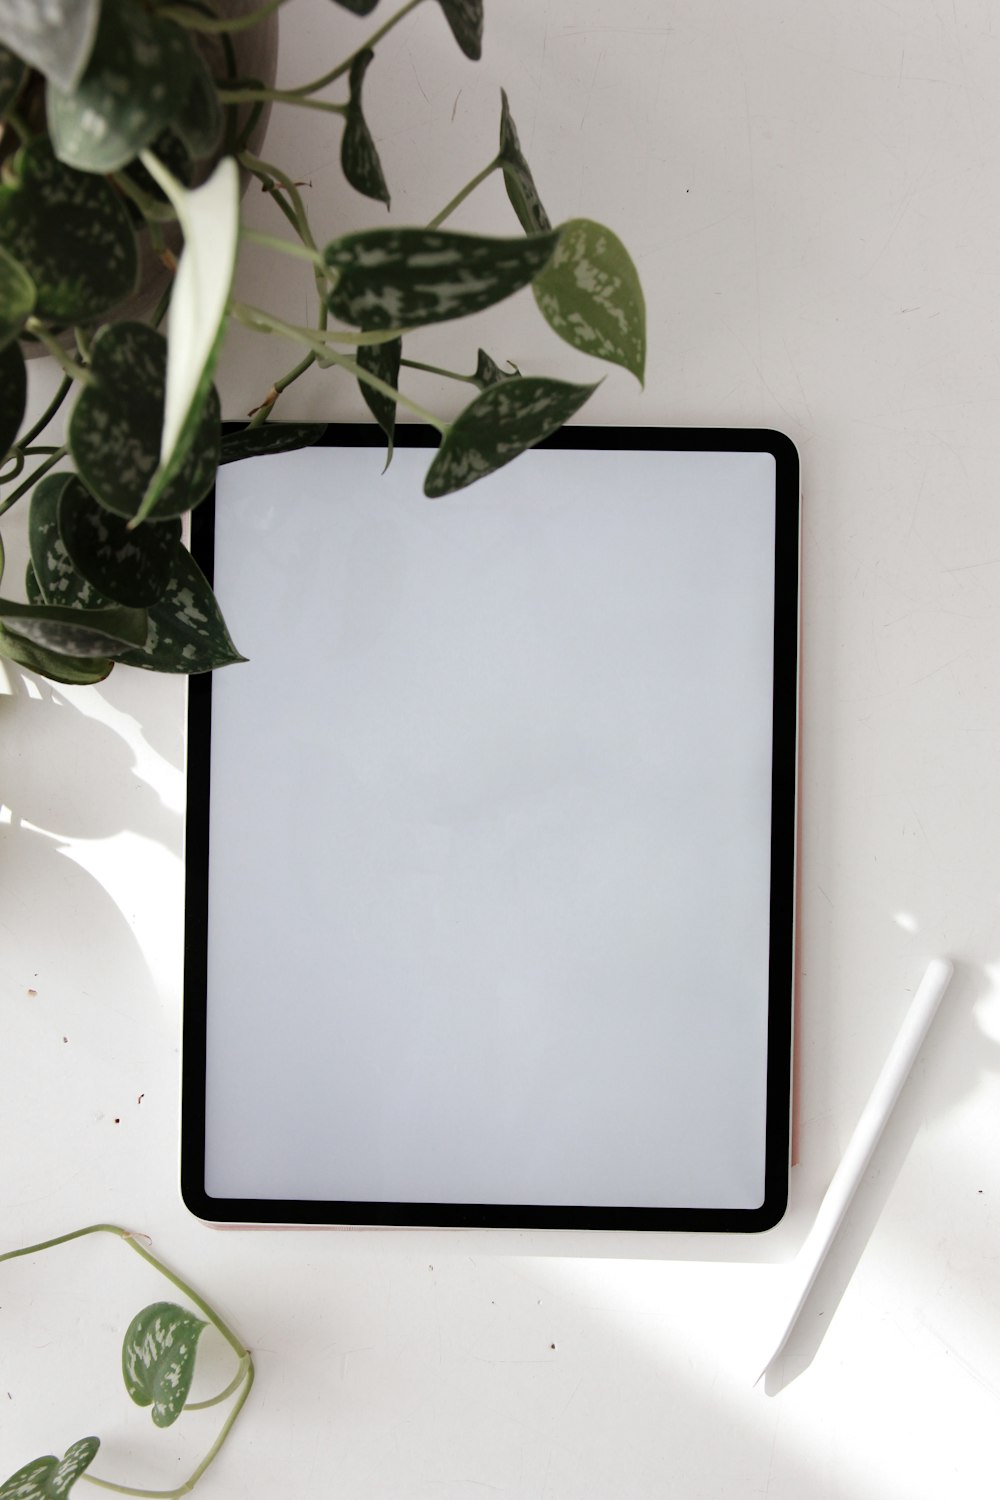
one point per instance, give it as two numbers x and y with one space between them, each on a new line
198 1204
771 1211
780 445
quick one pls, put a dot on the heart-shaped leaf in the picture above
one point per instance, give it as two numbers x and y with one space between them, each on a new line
272 437
382 360
158 1357
517 176
115 426
71 233
199 123
55 37
124 564
488 372
76 632
17 297
359 159
51 1478
12 76
13 395
139 67
465 17
501 423
589 293
210 218
77 671
186 630
396 278
55 574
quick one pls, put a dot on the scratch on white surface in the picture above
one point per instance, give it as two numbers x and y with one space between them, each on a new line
756 238
960 1359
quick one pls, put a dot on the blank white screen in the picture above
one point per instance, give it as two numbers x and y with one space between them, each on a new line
490 831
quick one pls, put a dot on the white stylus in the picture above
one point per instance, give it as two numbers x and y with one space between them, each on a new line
863 1142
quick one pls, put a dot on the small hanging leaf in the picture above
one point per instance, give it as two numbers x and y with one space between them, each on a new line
465 17
488 372
589 293
51 1478
359 7
12 76
158 1357
359 160
76 632
13 394
272 437
501 423
517 176
199 123
127 565
139 67
75 670
382 360
55 37
210 219
186 630
55 574
397 278
114 429
71 233
17 297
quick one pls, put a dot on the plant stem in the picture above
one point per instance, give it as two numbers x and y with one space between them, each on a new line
263 411
17 455
62 359
269 175
223 1395
286 247
152 210
191 20
50 410
278 96
255 316
386 389
6 504
345 66
463 193
415 364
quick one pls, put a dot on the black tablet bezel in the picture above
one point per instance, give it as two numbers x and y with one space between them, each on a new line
252 1211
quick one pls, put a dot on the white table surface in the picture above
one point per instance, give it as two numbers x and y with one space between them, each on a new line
810 193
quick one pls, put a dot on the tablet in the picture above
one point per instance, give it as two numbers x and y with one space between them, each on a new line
490 842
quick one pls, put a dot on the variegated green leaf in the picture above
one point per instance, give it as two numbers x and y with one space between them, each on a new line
199 123
186 630
139 68
488 372
71 233
57 578
115 427
501 423
210 218
12 76
465 17
158 1357
51 1478
32 588
124 564
55 37
359 159
272 437
589 293
17 297
75 670
397 278
382 360
517 176
13 394
76 632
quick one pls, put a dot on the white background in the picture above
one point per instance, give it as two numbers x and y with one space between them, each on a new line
810 193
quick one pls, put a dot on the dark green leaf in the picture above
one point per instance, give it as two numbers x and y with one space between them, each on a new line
139 67
115 427
382 360
55 37
199 123
57 578
501 423
359 7
359 160
76 632
32 588
589 293
13 394
186 630
158 1357
517 176
51 1478
397 278
17 297
12 76
71 233
465 17
128 566
488 372
272 437
75 670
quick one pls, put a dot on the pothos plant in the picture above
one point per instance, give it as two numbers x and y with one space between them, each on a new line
119 129
158 1362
